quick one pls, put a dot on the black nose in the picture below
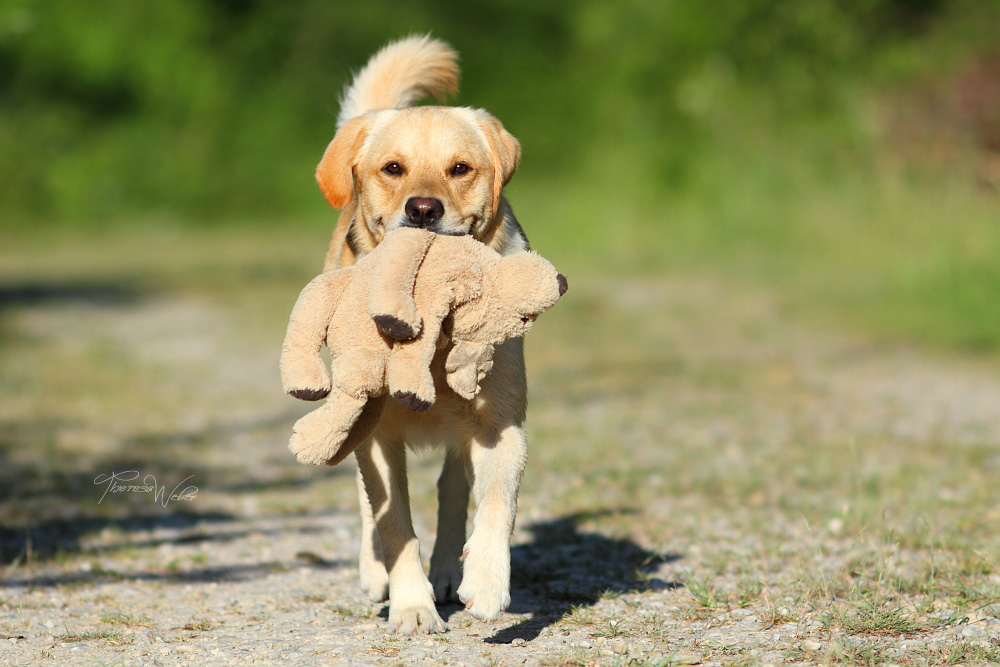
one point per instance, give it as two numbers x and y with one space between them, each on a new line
423 211
563 285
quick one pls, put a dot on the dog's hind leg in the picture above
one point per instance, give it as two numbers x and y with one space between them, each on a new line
453 511
371 566
382 463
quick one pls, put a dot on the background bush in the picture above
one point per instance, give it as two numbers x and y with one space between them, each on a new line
839 150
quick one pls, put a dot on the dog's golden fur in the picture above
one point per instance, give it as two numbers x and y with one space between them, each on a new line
385 153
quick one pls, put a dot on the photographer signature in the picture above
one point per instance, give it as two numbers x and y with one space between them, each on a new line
119 482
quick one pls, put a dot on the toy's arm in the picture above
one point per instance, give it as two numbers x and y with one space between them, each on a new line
467 363
303 373
390 299
409 369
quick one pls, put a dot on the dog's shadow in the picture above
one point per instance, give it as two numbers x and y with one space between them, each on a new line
562 568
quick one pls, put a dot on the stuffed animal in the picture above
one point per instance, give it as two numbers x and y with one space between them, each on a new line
386 317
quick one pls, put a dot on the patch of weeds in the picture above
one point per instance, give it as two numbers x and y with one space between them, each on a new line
315 597
973 564
657 659
749 590
744 660
775 615
967 594
863 654
351 612
114 637
199 558
387 647
121 618
613 629
579 615
203 625
972 653
704 596
877 618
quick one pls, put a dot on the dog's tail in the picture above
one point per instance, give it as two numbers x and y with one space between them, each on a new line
399 75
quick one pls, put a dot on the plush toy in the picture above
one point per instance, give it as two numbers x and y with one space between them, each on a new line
386 317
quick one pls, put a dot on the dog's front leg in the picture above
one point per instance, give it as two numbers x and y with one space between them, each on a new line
497 460
411 601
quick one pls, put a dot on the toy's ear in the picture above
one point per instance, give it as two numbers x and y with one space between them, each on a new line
335 171
505 151
531 282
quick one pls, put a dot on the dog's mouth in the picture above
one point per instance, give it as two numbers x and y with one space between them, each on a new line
442 227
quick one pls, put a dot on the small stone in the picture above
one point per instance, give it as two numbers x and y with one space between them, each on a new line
812 645
414 654
619 646
582 644
519 641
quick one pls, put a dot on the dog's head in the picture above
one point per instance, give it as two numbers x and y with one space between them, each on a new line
440 168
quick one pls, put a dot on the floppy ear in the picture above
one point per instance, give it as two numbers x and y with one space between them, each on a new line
505 151
335 171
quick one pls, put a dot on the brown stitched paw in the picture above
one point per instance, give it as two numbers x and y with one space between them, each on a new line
393 327
309 394
410 400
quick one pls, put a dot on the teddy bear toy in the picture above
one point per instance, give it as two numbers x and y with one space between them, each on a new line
386 317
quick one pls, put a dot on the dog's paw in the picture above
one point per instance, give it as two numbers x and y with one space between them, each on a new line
417 620
446 578
374 579
485 589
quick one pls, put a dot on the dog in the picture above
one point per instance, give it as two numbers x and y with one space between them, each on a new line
441 168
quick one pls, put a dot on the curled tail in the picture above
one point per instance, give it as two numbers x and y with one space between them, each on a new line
399 75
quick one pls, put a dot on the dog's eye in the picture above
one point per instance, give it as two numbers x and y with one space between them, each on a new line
460 168
525 319
393 169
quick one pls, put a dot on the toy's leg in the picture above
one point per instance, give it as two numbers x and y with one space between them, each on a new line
497 462
408 374
318 437
371 566
453 509
466 365
411 602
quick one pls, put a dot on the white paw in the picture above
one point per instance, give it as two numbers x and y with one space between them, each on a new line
445 578
421 619
374 578
485 588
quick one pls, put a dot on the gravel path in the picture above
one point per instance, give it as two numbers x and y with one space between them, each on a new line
680 506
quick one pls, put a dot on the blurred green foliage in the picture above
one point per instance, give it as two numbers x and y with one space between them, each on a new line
753 137
219 108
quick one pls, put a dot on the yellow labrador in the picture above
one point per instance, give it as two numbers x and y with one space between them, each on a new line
441 168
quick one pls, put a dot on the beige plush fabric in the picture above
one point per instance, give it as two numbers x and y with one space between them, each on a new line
386 317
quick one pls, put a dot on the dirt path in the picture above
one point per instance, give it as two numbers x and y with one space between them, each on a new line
712 481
